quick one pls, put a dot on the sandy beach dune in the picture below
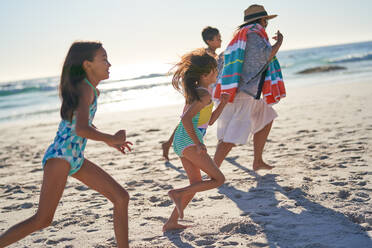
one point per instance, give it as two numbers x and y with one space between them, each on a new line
318 195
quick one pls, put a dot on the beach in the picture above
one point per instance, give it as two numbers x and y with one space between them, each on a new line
317 196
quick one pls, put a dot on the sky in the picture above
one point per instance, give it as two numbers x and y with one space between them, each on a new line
140 34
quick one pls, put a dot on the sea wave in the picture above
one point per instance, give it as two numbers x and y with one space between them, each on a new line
31 86
7 91
147 76
136 87
352 58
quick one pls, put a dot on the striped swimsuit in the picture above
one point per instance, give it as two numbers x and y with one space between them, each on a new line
200 122
67 145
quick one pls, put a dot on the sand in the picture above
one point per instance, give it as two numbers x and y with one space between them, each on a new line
317 196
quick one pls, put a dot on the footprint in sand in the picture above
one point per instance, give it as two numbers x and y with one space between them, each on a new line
36 170
158 218
181 176
352 150
154 199
152 238
152 130
241 227
362 183
134 183
205 242
142 168
70 222
132 135
19 206
197 199
148 181
166 186
14 190
232 243
216 197
54 242
165 203
39 241
339 183
100 246
81 188
362 195
343 194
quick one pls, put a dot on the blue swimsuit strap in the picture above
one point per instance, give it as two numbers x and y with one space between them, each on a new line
94 89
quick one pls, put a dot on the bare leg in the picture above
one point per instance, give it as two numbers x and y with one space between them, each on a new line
222 150
54 182
206 164
259 141
167 145
97 179
194 176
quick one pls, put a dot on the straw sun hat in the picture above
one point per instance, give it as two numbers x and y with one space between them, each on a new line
255 12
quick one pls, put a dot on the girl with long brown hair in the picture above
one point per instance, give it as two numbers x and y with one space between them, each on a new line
85 66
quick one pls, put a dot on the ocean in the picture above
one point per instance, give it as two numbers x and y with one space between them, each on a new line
150 88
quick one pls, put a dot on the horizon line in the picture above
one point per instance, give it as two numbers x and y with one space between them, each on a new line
284 50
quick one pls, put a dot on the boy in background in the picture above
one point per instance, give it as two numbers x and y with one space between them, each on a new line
212 37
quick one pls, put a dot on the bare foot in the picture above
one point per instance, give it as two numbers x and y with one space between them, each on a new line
261 166
165 146
178 201
173 226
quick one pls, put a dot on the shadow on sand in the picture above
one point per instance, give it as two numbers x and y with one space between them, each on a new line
289 219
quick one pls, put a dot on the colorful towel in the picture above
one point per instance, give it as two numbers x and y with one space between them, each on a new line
273 88
233 62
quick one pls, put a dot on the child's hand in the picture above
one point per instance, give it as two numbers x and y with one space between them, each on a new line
201 148
119 138
121 148
119 142
224 99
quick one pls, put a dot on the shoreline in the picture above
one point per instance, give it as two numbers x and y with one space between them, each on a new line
55 118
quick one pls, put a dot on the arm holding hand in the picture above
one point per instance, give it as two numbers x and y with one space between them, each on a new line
224 99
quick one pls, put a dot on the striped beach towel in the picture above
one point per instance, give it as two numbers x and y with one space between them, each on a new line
273 87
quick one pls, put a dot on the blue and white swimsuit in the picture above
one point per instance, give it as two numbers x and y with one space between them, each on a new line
67 145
